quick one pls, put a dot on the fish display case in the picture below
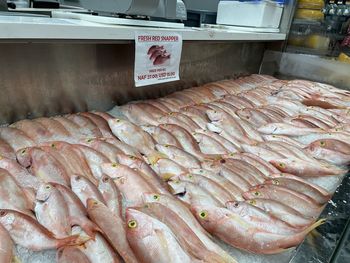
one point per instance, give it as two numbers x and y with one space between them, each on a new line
54 77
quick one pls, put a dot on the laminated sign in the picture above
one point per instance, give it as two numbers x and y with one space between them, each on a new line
157 57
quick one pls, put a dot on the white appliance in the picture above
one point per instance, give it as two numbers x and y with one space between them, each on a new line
264 13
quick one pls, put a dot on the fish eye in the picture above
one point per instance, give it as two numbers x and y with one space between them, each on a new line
236 204
282 165
132 224
232 154
252 202
222 161
201 171
203 214
275 181
117 120
53 145
48 187
322 143
2 213
114 165
132 157
77 178
23 151
89 140
105 179
95 202
256 193
190 176
166 145
156 197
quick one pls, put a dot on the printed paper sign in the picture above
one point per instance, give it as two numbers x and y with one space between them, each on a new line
157 57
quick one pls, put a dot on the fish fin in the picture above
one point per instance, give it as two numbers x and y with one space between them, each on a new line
155 156
75 240
314 225
15 259
90 229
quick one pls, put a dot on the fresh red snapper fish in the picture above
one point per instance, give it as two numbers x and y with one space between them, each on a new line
230 146
237 101
71 158
234 190
58 131
192 194
160 135
198 119
300 202
265 154
6 150
264 167
185 214
260 219
16 138
184 234
287 129
112 227
86 126
110 149
52 212
141 113
234 176
76 210
27 232
158 104
283 138
209 145
20 174
124 147
254 116
216 89
71 254
35 131
185 98
94 159
337 135
306 168
289 151
12 196
111 194
132 135
232 227
228 124
73 128
180 120
186 140
152 241
166 168
301 186
85 189
130 182
330 150
219 131
245 168
144 169
179 156
6 246
104 115
213 188
171 103
282 212
100 122
97 250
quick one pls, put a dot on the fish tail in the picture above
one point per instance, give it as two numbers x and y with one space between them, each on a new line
314 225
15 259
90 229
75 240
154 156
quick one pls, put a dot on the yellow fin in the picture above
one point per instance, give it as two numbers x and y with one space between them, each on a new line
155 156
314 225
15 259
